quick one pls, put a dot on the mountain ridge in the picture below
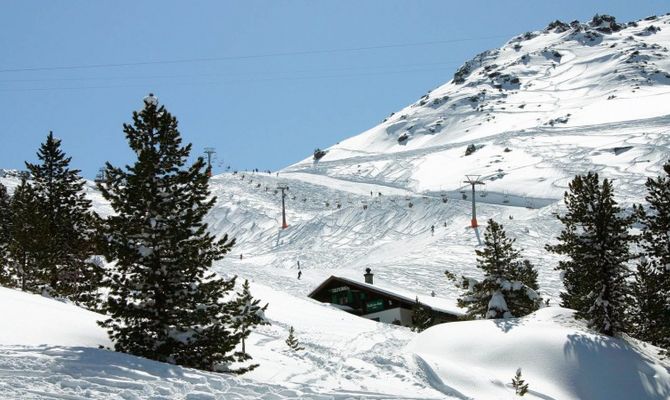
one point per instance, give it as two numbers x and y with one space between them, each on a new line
600 75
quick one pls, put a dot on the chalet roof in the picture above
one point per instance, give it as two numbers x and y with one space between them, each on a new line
436 303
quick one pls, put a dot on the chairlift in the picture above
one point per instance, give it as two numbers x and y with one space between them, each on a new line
529 203
484 192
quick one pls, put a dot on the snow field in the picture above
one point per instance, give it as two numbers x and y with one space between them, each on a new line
560 359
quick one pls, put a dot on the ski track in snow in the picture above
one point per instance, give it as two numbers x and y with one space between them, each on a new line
54 372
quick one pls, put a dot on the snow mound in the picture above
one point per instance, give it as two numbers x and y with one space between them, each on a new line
29 319
559 358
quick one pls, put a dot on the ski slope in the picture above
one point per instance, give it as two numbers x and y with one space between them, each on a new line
563 101
583 100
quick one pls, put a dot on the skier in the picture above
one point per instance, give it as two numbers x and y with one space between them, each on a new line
298 264
299 274
432 229
241 256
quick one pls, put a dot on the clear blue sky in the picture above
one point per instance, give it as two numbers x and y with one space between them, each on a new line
264 82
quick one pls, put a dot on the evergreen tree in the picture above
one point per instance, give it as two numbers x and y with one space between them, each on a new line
595 241
164 303
422 318
652 284
26 237
518 383
249 314
509 287
5 234
292 341
67 226
524 299
648 311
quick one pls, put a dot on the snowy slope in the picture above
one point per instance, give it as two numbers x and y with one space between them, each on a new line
559 358
351 210
564 100
49 349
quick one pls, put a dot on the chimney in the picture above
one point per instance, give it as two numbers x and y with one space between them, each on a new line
368 275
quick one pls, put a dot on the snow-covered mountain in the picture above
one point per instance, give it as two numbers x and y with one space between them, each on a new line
546 106
543 107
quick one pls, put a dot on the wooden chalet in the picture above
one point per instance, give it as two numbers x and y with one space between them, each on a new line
380 304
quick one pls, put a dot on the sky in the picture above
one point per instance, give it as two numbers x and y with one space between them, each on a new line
262 82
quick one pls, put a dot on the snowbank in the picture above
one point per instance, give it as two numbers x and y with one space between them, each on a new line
30 319
559 359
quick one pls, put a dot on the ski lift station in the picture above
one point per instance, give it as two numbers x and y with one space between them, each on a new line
381 304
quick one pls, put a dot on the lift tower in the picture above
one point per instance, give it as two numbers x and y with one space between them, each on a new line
283 187
473 180
210 152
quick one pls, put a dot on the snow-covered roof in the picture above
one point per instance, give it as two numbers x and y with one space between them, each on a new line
439 304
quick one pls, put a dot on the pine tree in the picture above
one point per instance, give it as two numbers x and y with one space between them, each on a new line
648 308
164 302
422 317
67 225
509 287
26 237
595 241
518 383
249 314
524 299
5 235
292 342
652 284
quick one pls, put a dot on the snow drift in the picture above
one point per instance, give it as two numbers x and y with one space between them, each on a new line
559 358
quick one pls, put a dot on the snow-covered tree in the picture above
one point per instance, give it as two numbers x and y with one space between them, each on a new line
652 284
595 243
164 302
509 287
26 237
648 309
5 234
292 341
248 315
422 318
67 226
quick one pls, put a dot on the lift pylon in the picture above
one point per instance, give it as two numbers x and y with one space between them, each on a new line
473 180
